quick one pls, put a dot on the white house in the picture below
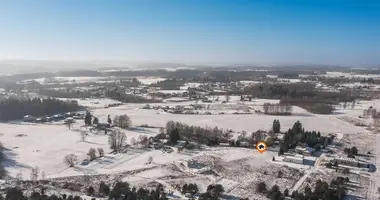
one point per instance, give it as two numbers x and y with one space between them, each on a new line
293 159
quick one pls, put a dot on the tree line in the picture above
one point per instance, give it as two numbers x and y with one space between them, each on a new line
277 109
304 95
13 109
128 98
322 190
180 131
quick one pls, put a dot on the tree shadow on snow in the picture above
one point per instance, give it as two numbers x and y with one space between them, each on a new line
94 143
9 162
173 196
302 115
353 197
230 197
140 130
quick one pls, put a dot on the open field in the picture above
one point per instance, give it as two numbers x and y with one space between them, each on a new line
238 169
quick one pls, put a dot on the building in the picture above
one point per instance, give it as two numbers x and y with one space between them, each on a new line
293 159
346 161
304 151
29 118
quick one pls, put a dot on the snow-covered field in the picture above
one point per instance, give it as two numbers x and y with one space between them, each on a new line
249 123
149 80
238 169
338 74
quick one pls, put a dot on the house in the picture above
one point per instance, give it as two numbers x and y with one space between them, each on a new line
224 144
346 161
58 117
294 159
304 151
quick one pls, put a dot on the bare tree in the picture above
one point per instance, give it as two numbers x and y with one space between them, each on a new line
227 97
69 122
70 160
101 152
150 160
243 135
376 123
122 121
34 173
87 178
43 175
19 178
161 131
117 140
92 154
83 135
134 142
288 108
266 107
143 140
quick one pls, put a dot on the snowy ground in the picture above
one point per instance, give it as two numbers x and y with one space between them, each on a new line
338 74
249 123
94 103
149 80
238 169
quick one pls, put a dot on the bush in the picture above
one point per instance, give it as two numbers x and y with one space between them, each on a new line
92 154
90 191
70 160
101 152
261 187
104 189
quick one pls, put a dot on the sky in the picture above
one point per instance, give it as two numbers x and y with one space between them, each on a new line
338 32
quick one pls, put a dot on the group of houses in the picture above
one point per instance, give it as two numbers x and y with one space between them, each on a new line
56 117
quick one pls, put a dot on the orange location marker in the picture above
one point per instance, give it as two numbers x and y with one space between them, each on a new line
261 147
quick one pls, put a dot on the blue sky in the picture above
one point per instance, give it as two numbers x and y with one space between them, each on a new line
344 32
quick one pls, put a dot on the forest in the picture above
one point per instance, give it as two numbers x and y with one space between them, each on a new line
13 109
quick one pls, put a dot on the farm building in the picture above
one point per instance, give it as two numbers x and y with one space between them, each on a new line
294 159
347 161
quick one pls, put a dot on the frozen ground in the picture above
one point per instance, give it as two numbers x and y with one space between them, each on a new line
238 169
249 123
94 103
338 74
149 80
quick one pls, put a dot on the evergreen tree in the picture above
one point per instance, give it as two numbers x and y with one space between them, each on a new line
174 137
87 119
276 127
90 191
95 121
109 120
